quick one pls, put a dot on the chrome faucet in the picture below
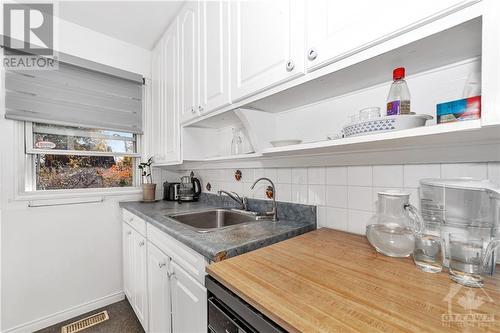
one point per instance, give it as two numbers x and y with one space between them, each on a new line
235 196
274 212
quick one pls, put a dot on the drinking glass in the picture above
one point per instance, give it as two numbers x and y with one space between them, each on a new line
428 253
466 255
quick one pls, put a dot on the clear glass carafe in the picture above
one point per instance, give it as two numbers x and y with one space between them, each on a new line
236 143
391 231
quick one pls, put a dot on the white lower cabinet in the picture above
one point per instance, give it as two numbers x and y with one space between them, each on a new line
135 272
160 313
163 280
189 302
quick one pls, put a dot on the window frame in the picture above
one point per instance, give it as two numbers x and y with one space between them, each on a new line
30 171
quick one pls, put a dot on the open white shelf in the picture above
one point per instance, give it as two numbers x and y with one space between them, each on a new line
227 158
440 134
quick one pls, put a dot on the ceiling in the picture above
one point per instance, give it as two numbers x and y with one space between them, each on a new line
137 22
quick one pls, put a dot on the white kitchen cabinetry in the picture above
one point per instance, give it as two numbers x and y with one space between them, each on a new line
135 272
160 312
337 28
213 55
267 44
165 124
188 61
163 279
189 301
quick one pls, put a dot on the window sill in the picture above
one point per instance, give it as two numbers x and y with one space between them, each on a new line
76 194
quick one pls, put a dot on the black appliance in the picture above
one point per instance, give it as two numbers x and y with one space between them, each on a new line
171 191
227 313
189 188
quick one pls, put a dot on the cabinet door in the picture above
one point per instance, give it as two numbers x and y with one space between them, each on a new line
170 135
267 44
140 279
156 126
188 60
128 261
189 303
214 55
158 291
337 28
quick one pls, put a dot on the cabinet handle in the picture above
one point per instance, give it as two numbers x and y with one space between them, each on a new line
129 232
161 264
290 65
312 54
200 108
192 110
141 243
170 274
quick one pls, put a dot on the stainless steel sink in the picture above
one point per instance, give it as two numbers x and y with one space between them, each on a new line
213 219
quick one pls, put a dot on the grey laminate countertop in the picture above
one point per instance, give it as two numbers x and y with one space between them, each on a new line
217 245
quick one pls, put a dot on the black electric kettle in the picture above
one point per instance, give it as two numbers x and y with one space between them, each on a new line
189 188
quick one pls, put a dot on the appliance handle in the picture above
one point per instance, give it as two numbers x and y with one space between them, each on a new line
197 186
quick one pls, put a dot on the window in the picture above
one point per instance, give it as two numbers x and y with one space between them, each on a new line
63 157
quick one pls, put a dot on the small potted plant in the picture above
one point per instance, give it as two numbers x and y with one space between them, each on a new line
148 188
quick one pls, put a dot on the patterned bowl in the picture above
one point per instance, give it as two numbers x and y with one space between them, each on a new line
385 124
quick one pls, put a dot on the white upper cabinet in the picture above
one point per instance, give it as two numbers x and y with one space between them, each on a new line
335 28
214 55
163 118
188 61
267 44
171 133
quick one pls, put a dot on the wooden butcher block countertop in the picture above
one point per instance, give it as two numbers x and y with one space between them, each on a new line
331 281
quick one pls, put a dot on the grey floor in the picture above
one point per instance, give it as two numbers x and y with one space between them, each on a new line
122 319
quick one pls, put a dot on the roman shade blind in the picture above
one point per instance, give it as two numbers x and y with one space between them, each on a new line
79 93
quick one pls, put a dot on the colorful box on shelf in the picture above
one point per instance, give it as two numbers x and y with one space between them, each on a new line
462 109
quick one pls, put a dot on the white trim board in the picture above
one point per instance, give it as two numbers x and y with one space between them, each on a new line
66 314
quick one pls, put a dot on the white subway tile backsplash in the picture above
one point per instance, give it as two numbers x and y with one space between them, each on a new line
357 221
284 192
336 218
247 175
359 175
336 196
284 176
336 176
299 176
494 172
473 170
345 196
316 194
414 172
271 174
360 198
299 193
321 216
258 173
247 191
388 175
316 176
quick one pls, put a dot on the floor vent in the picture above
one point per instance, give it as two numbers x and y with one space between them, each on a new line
85 323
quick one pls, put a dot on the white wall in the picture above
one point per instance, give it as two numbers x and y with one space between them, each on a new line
345 195
58 262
